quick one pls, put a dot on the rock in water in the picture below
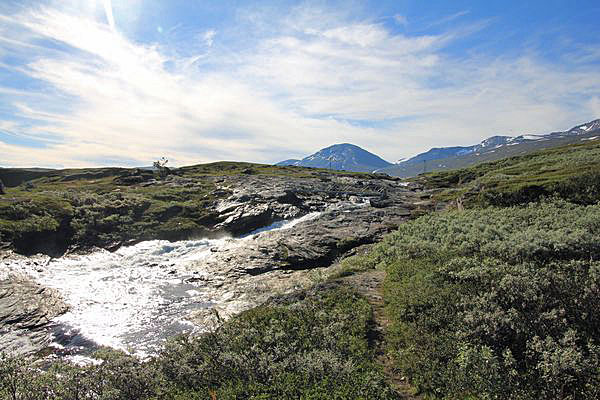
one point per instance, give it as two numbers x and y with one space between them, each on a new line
26 308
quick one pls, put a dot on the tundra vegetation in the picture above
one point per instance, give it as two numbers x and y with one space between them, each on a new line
54 210
501 300
312 345
498 301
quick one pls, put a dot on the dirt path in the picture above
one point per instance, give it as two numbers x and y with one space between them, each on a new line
370 285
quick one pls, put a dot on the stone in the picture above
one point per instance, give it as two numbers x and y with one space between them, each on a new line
26 309
26 304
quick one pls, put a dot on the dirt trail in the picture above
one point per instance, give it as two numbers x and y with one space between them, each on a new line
370 285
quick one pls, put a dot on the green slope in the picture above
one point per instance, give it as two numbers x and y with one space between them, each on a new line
409 169
571 172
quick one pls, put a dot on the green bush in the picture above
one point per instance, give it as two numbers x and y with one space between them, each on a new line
497 302
312 345
313 349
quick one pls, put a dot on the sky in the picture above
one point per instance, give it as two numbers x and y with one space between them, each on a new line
124 82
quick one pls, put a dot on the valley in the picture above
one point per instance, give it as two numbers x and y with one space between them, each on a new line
244 279
246 235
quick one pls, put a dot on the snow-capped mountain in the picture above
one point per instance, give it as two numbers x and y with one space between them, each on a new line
492 148
345 156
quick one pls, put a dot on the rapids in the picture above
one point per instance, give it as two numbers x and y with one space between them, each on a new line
134 298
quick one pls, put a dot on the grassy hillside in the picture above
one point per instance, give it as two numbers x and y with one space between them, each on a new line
501 300
570 172
51 210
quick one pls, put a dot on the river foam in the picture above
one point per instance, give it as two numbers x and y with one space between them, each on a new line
136 297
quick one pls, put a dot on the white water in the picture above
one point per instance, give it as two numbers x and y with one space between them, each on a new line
135 298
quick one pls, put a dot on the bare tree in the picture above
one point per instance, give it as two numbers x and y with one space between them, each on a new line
161 167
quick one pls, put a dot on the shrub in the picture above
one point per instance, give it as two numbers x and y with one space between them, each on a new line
312 345
497 303
314 349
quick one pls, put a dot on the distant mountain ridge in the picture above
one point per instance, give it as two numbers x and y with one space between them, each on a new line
493 148
344 156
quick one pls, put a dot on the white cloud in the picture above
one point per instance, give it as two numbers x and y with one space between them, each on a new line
208 37
320 81
449 18
594 106
401 19
109 13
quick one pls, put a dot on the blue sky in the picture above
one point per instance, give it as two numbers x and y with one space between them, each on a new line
101 82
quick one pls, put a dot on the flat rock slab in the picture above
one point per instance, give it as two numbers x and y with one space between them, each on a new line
26 308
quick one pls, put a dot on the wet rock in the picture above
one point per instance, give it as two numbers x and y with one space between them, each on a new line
314 243
26 309
381 202
246 217
347 213
26 304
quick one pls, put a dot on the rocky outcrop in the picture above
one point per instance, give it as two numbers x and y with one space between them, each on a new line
333 214
2 191
341 214
257 201
26 309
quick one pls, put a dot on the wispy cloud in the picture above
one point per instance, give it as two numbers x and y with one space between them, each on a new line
209 37
401 19
449 18
109 13
301 84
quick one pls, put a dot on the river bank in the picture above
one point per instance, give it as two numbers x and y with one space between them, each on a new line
269 234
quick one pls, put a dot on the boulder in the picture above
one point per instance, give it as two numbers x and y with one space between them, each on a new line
26 304
26 309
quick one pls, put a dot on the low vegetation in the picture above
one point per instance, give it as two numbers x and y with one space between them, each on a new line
52 210
313 345
499 301
569 172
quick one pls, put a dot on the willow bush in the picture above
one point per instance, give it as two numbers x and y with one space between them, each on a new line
497 302
312 345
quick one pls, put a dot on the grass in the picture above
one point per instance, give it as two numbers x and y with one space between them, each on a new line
560 171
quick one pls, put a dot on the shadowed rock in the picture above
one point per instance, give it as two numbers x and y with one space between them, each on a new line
26 308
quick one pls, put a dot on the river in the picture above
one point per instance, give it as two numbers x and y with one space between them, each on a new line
136 297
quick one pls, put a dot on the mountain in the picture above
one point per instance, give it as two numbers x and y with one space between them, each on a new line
493 148
291 161
345 157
